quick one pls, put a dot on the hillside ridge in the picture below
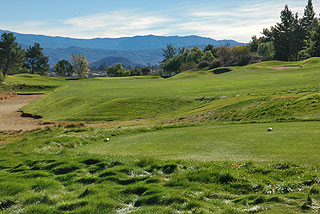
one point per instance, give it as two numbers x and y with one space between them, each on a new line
123 43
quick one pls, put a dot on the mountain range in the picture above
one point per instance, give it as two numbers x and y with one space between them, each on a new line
138 49
110 60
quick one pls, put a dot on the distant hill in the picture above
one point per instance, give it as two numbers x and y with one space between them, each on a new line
124 43
138 49
108 61
137 56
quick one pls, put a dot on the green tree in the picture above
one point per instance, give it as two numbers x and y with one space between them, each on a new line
224 56
168 53
195 55
254 43
308 20
117 70
212 49
12 55
80 64
283 36
209 47
240 55
267 35
172 66
135 72
182 50
312 44
266 51
145 71
207 56
63 68
297 39
36 62
102 66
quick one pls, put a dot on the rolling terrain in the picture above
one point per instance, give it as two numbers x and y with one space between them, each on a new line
193 143
251 93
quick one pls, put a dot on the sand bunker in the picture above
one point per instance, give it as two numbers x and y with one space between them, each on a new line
10 118
286 67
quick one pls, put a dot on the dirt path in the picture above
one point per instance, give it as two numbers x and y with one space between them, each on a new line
11 120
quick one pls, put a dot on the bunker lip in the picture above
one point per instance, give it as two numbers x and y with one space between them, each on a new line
26 94
286 67
23 114
8 95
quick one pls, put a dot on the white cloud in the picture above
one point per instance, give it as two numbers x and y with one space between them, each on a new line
115 24
228 21
116 21
236 23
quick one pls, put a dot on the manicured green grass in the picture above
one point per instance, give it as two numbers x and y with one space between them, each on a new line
194 143
163 100
295 141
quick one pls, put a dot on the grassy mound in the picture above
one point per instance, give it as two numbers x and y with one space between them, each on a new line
30 83
163 100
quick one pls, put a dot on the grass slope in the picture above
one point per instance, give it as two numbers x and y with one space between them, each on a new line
163 100
27 83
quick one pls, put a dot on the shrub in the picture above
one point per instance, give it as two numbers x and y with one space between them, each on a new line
214 64
203 64
187 66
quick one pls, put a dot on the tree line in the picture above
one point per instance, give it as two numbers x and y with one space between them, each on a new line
182 59
292 39
14 59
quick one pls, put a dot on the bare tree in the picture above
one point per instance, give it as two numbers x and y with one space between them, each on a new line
80 64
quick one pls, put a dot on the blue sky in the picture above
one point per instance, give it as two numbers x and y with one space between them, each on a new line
228 19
